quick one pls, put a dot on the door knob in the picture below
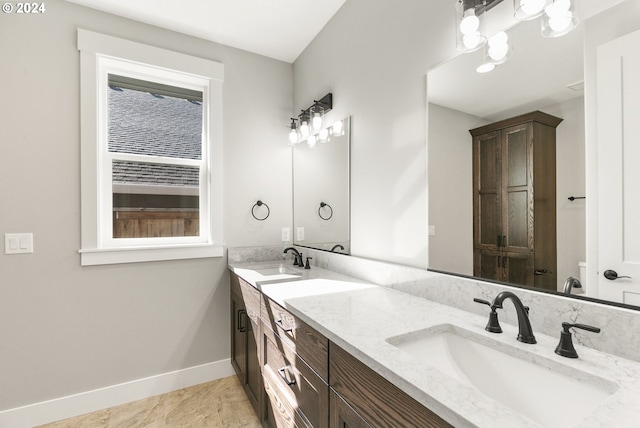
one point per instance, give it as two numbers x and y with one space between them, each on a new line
612 275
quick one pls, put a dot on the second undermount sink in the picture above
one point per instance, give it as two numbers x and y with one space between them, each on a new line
552 394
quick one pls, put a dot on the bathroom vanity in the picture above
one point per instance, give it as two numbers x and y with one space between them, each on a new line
284 366
340 351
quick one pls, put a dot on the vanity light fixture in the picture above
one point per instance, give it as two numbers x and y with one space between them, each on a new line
293 134
559 18
305 129
310 121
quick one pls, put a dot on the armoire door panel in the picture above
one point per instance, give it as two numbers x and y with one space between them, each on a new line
517 221
515 165
489 159
490 226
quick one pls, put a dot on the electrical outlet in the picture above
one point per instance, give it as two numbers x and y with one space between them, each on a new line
286 234
300 234
432 230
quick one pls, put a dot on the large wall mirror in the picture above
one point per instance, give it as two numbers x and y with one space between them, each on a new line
542 74
321 183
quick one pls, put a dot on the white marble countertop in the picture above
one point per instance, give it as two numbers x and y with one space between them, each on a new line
359 317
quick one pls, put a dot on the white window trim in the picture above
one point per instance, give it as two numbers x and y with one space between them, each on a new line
96 52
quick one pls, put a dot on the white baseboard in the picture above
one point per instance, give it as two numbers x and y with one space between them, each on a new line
90 401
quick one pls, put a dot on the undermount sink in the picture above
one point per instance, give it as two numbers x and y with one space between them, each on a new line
545 391
276 273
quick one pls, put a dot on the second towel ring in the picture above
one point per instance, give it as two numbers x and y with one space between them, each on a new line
322 205
259 204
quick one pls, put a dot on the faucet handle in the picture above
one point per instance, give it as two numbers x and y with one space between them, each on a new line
493 325
565 346
484 302
307 265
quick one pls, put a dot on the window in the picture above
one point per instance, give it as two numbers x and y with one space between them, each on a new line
151 153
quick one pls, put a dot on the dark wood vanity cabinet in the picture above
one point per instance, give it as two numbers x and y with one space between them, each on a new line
281 362
514 200
286 367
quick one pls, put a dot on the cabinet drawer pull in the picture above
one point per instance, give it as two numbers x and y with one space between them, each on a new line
241 320
283 374
280 324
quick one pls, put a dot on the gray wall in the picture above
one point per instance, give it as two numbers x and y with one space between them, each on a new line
373 55
66 329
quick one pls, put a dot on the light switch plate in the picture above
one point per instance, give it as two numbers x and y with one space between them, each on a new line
18 243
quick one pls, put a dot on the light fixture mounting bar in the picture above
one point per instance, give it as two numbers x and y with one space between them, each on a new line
325 102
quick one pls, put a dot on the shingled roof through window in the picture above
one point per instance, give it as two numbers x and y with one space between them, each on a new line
155 125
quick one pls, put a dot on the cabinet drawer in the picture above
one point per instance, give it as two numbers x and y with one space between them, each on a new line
280 413
301 386
288 330
376 399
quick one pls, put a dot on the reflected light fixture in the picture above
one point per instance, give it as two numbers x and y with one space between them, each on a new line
486 67
469 25
559 18
337 129
323 135
525 10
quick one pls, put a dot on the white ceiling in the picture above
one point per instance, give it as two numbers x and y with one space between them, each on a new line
279 29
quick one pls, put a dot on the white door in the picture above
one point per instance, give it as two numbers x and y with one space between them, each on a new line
619 169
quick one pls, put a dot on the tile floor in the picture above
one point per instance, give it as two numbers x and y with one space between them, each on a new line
218 404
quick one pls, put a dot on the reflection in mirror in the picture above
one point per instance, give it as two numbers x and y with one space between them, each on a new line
542 74
321 192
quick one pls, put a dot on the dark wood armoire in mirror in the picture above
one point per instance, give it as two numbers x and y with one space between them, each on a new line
514 200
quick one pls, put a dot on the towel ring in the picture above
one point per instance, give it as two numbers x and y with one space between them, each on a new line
259 204
322 205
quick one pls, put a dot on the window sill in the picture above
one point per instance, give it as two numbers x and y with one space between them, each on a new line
103 256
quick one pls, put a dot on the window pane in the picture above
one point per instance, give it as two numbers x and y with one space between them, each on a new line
155 200
153 124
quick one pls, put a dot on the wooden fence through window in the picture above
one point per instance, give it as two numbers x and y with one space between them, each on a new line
155 223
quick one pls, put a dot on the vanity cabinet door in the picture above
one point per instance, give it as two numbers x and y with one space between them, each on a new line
379 402
343 415
245 338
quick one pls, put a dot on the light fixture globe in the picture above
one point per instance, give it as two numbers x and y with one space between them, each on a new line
525 10
559 18
498 49
316 122
305 130
469 26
